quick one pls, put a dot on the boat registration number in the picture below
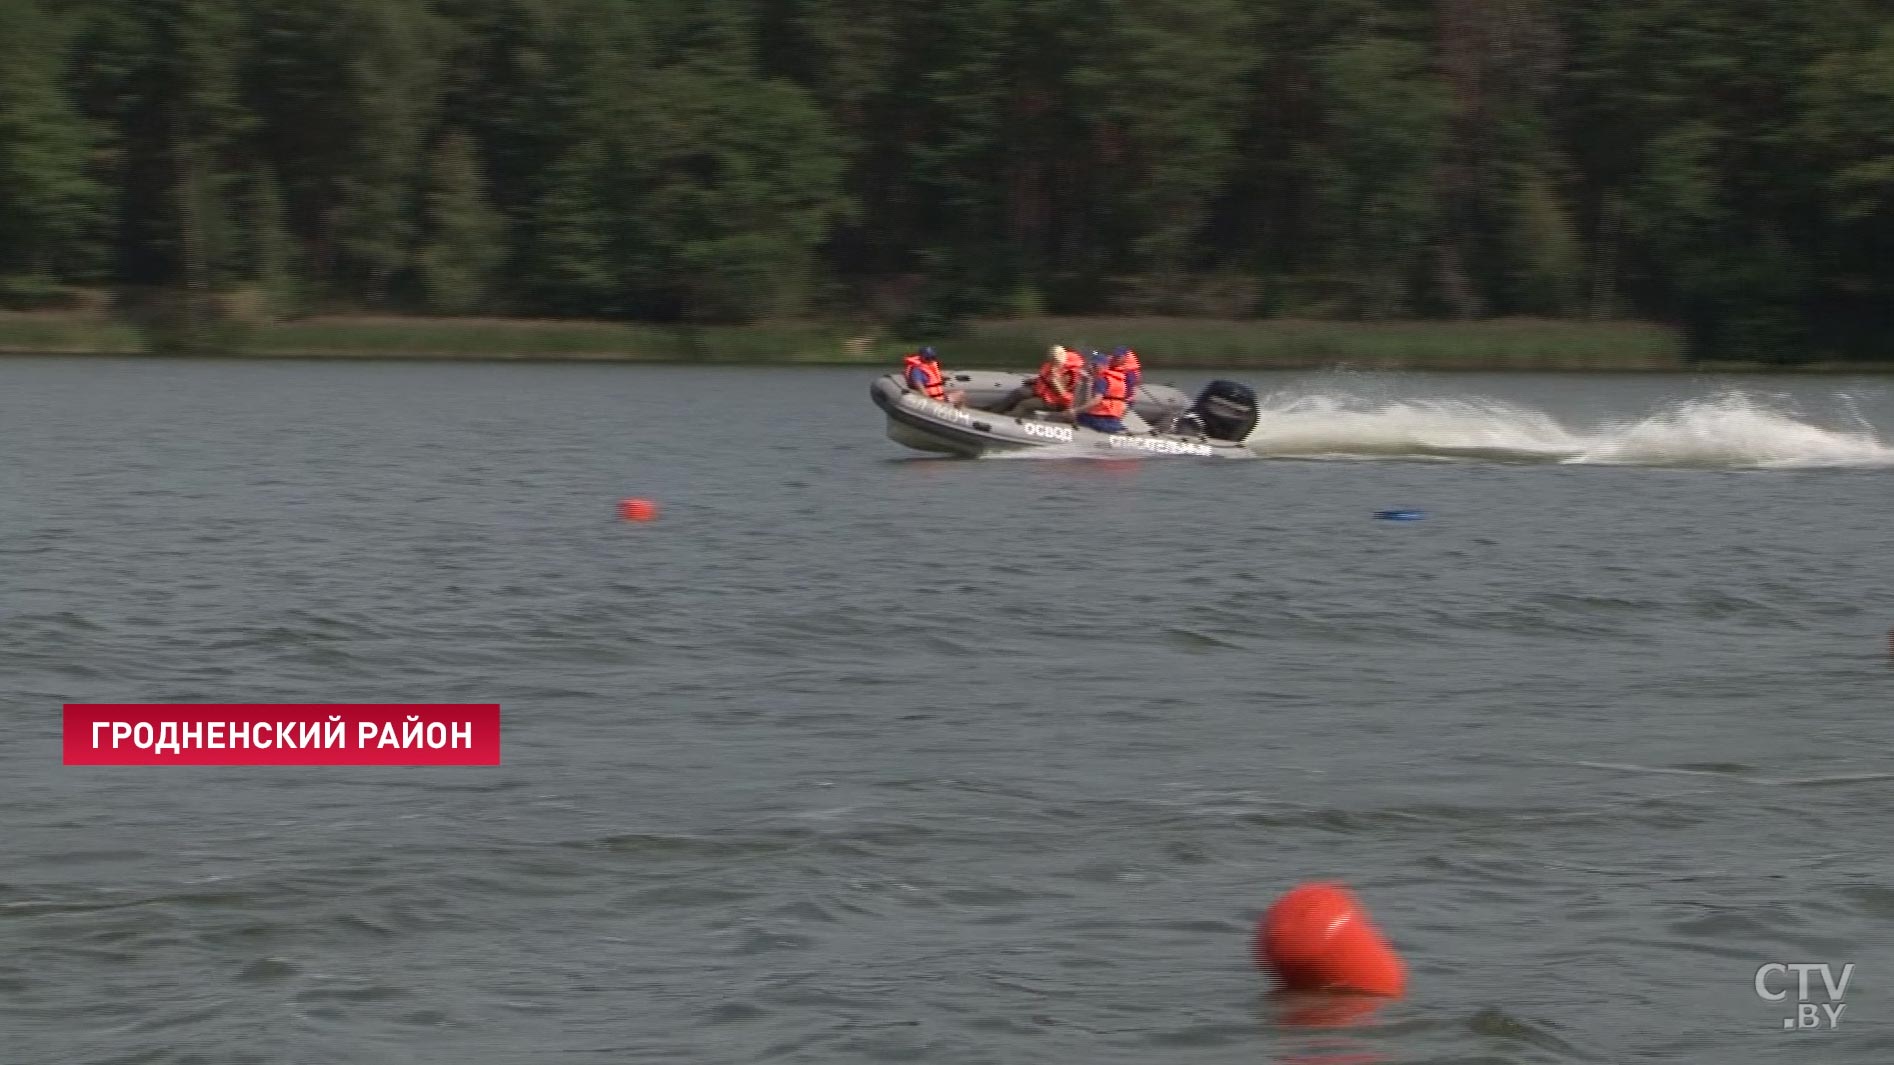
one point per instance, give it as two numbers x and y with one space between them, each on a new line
937 408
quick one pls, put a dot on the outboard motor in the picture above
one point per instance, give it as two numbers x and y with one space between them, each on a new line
1225 410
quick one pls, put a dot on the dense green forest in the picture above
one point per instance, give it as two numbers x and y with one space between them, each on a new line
1725 165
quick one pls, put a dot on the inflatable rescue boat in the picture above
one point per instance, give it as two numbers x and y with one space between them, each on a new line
1162 421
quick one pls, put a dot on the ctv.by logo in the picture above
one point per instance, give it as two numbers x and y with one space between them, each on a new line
1807 1014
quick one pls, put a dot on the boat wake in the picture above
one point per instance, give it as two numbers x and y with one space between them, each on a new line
1732 430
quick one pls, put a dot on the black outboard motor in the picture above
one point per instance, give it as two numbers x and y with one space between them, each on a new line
1225 410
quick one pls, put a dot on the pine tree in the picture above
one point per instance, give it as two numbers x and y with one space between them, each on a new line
1542 246
49 205
274 253
466 240
571 268
1387 127
163 75
741 181
1176 75
392 50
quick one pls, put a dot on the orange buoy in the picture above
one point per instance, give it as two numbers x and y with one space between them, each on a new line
1319 938
637 510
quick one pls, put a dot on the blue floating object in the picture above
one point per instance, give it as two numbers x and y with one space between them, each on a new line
1399 515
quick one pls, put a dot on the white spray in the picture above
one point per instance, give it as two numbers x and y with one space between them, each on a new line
1731 430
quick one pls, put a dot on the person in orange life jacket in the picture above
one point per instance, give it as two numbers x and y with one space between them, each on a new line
1052 389
922 373
1108 399
1126 360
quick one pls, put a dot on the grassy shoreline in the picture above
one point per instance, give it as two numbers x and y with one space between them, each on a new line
1530 345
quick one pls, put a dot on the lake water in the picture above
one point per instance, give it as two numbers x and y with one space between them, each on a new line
861 756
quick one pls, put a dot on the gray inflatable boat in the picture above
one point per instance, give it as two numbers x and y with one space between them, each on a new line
1162 421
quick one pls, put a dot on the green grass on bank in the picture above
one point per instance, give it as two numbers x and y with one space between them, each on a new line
1506 344
60 334
470 337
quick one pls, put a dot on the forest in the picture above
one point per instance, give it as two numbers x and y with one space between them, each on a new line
1725 167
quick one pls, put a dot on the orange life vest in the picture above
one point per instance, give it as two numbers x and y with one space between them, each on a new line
1113 394
933 384
1134 372
1051 375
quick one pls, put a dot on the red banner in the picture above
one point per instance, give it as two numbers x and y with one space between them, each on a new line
282 734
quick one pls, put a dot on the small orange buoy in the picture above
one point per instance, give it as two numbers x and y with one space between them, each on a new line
637 510
1318 938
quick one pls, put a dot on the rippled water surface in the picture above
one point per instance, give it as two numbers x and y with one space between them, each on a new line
858 756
